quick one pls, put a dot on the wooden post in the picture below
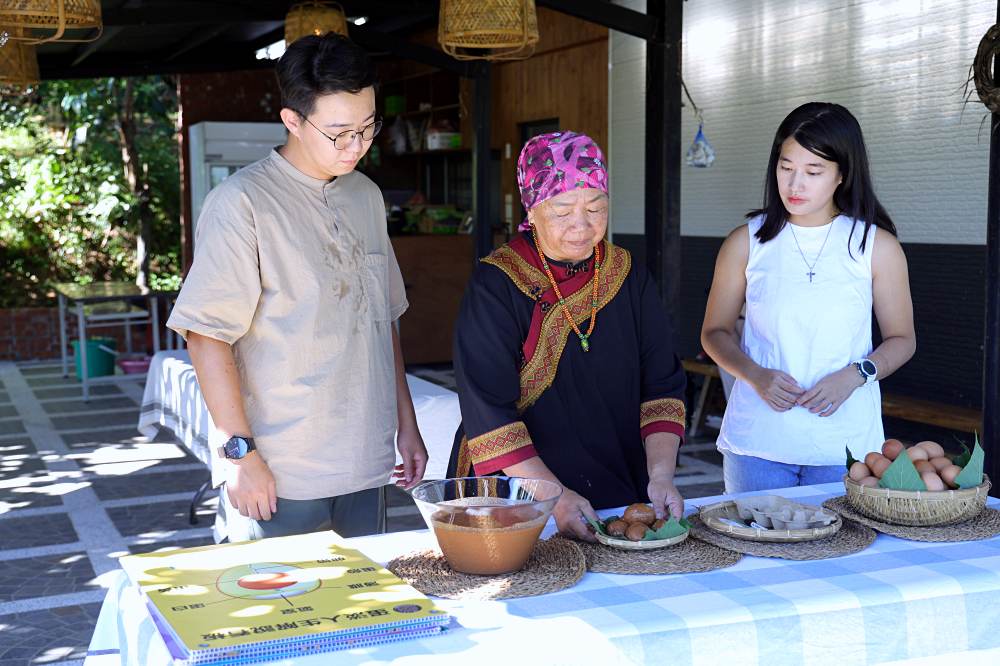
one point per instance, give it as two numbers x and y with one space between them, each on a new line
991 337
481 185
663 150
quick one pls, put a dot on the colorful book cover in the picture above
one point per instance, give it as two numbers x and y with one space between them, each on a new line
277 596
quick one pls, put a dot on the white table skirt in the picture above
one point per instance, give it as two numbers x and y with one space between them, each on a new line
172 399
894 602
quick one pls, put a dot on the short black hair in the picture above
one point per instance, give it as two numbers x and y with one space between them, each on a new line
314 66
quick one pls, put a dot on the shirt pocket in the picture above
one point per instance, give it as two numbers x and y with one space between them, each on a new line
375 280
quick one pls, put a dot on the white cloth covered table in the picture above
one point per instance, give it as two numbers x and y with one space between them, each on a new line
172 399
897 600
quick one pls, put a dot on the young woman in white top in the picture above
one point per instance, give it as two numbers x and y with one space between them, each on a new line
810 266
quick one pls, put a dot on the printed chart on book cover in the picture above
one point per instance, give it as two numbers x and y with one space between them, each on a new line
277 591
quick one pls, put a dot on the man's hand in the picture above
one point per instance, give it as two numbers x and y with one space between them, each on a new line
414 454
250 486
570 511
665 497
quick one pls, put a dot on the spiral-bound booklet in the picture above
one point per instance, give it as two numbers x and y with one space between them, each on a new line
276 598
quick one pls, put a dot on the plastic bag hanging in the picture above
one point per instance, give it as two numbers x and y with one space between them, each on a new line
700 154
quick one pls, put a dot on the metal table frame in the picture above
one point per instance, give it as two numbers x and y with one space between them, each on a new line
83 296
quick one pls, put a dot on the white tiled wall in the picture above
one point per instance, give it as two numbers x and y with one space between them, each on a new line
899 65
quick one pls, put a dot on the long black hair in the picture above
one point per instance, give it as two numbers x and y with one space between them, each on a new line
831 132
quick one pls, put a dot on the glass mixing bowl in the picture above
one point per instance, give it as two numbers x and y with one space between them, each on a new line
489 524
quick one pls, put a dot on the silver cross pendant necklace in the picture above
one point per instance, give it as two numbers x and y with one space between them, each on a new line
811 273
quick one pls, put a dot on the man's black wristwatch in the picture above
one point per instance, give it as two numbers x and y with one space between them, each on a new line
237 448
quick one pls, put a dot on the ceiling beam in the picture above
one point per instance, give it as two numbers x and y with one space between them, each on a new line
103 65
194 41
85 51
374 40
194 13
604 13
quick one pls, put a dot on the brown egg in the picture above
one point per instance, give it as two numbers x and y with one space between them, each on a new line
924 466
940 463
616 528
917 453
949 473
658 523
892 448
933 449
872 458
932 481
882 464
636 531
869 481
641 513
858 471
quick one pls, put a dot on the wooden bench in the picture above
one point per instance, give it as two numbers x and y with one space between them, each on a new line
952 417
710 371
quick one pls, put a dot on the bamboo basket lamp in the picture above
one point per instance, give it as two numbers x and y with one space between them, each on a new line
18 61
48 20
315 17
488 29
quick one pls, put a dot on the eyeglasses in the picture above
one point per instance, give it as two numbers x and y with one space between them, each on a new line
346 139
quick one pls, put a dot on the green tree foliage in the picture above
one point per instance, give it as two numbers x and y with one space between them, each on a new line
68 212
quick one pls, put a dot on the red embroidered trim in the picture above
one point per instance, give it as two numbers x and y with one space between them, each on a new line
664 409
498 442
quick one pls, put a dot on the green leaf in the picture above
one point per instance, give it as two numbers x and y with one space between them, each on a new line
598 526
966 455
668 530
972 473
902 475
850 458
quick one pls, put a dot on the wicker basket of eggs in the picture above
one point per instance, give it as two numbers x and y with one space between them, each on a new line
917 486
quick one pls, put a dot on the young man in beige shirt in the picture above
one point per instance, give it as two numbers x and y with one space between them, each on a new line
289 311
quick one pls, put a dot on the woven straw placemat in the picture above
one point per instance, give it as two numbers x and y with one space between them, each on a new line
984 526
555 564
851 538
688 556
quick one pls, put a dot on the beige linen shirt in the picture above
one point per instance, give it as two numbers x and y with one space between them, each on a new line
298 275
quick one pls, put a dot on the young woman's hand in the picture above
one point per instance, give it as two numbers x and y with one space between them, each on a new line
778 389
829 393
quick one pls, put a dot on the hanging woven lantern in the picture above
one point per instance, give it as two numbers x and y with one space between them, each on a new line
488 29
48 20
18 61
314 18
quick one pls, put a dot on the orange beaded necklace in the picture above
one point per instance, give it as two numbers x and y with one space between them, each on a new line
584 337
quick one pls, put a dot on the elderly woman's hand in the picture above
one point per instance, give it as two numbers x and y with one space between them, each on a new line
570 514
665 497
778 389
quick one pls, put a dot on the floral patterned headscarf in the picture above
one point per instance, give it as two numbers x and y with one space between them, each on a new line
558 162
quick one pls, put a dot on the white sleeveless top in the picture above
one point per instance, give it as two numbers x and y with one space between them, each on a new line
808 330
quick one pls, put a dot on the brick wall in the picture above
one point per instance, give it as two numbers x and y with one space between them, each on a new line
31 334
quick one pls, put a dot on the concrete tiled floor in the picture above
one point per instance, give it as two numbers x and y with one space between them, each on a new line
79 487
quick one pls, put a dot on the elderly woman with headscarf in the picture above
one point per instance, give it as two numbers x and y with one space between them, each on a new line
564 358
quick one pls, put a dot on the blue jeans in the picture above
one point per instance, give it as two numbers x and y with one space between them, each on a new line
747 473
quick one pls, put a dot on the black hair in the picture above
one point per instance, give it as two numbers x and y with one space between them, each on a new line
831 132
314 66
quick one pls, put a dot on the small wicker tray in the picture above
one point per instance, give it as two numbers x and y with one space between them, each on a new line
915 507
626 544
711 515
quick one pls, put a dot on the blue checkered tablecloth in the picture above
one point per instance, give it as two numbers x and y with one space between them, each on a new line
896 601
